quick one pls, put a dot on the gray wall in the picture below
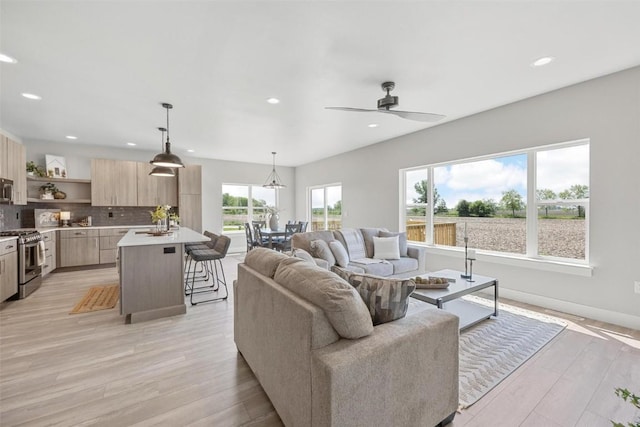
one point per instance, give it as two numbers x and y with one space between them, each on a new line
605 110
214 174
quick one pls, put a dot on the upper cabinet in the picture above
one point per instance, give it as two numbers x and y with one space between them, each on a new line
156 190
13 160
114 183
190 179
190 191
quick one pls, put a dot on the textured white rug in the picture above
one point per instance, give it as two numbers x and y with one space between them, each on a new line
491 350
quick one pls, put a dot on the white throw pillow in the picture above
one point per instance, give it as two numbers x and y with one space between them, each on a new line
386 247
340 253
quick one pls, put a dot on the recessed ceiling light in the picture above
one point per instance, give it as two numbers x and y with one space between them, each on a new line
32 96
373 125
7 59
71 137
273 101
131 144
191 151
542 61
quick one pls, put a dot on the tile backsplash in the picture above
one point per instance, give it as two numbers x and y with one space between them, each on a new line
13 216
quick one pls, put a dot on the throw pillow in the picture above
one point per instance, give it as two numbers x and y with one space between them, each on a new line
340 253
338 299
320 249
304 255
402 240
387 299
264 261
386 247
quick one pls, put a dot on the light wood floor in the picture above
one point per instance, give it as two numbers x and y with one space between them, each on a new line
92 369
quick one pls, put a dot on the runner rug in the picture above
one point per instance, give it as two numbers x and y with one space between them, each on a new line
493 349
98 298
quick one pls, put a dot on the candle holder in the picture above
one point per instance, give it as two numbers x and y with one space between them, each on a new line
470 278
466 275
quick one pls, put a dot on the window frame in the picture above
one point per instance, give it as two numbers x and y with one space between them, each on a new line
533 204
309 209
249 207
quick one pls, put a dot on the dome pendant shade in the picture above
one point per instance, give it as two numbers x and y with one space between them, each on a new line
167 159
161 170
273 180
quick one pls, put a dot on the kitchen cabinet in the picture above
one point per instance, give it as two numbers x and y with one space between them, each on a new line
113 183
190 196
13 160
155 190
109 238
78 246
50 252
8 269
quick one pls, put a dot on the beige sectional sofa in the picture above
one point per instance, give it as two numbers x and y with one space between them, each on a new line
290 322
360 247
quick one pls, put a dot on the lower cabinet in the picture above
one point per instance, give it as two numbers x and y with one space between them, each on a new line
109 238
8 269
50 251
79 247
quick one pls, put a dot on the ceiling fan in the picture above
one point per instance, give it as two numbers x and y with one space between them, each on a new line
385 104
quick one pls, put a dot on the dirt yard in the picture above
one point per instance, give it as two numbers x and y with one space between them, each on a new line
556 237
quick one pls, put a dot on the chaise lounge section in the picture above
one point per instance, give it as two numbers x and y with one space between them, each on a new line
311 343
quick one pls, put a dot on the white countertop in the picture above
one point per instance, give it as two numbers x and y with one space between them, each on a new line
93 227
8 238
179 235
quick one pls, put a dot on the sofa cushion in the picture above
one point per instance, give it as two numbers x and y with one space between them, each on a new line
264 261
303 240
353 241
320 249
367 236
382 268
303 255
402 240
340 253
404 265
386 248
340 301
387 299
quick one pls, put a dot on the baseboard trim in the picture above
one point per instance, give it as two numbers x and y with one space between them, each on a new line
621 319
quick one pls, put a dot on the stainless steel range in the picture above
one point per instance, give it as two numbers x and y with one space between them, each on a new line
30 260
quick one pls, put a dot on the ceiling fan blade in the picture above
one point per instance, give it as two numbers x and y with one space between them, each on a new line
358 110
411 115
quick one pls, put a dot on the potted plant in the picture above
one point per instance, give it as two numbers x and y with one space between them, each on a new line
31 168
48 191
274 217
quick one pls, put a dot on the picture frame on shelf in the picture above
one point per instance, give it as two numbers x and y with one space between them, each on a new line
56 166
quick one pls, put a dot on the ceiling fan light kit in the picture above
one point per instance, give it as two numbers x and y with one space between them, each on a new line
273 180
166 158
385 104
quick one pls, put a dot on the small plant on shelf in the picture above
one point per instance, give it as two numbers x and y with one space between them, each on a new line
35 170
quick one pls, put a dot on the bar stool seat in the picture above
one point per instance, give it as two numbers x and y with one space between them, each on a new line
211 261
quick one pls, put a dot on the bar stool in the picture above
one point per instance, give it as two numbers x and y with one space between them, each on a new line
189 247
210 259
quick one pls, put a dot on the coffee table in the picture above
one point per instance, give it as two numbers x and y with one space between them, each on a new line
469 313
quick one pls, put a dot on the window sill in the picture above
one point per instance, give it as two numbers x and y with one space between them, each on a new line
514 260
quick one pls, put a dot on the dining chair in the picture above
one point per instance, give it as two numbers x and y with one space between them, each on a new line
285 244
251 241
303 226
259 239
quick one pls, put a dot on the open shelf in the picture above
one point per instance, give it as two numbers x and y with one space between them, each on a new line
66 180
60 201
78 190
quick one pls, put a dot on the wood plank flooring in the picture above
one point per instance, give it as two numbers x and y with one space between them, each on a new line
58 369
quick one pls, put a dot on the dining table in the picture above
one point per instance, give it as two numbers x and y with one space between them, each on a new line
271 234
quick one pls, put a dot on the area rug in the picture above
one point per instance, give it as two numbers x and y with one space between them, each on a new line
493 349
98 298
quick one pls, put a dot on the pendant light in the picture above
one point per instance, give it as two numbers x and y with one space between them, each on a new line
273 180
166 158
161 170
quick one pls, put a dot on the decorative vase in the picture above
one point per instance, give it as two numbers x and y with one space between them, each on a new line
273 221
59 195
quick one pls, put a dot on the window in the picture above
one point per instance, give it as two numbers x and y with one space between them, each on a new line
325 207
532 203
244 203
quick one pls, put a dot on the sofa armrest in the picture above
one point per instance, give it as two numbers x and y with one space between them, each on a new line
419 253
405 373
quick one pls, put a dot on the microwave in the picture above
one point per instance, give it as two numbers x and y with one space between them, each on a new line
6 191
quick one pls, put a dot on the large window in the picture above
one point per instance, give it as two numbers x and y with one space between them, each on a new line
245 203
325 206
533 203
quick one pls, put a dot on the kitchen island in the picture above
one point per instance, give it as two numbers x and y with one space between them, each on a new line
151 270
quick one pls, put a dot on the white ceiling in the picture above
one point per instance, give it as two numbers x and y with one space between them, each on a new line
103 67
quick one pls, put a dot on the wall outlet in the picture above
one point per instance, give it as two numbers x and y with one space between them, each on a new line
636 286
110 214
